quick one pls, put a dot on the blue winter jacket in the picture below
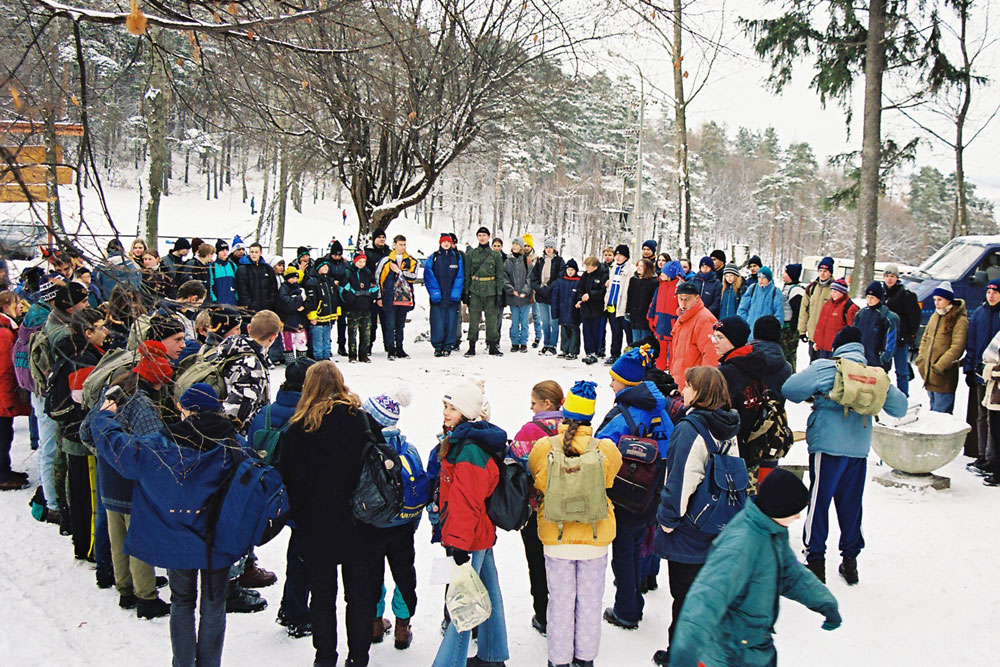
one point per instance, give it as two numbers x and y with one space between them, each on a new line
563 301
711 290
444 273
729 300
878 334
758 302
828 430
983 326
281 409
175 474
222 282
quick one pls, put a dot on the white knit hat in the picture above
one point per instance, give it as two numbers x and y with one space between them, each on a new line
469 399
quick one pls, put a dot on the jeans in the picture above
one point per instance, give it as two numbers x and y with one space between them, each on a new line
443 317
550 326
319 341
102 541
536 323
901 360
570 343
577 589
492 642
625 563
295 596
942 401
392 329
33 429
840 479
519 324
592 330
681 575
205 649
639 334
46 450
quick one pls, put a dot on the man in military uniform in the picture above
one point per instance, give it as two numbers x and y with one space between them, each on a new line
483 291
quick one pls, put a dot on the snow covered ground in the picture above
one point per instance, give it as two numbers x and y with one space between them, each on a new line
928 592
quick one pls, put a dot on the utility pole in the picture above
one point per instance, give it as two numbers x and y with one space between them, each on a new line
637 227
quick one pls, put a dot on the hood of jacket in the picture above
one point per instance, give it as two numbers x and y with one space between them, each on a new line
287 399
36 315
774 357
490 437
644 396
957 311
202 431
852 351
723 424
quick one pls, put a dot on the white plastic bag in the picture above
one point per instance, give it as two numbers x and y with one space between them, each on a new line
467 600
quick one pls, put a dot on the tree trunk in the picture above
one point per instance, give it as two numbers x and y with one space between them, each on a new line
962 204
866 241
243 173
155 104
681 139
263 196
52 156
282 194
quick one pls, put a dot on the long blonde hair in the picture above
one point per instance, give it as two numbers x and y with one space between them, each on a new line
322 390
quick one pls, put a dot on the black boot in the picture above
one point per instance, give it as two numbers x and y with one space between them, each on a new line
472 350
400 354
241 600
341 350
494 349
817 567
849 571
154 608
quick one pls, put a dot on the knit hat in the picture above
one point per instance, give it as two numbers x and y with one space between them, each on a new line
630 366
385 407
444 237
529 240
571 263
579 403
767 328
196 243
993 284
295 373
794 271
891 269
483 230
469 399
719 255
672 269
735 329
847 335
292 272
876 289
238 243
688 288
224 318
221 245
182 244
767 273
153 366
114 246
162 327
622 249
839 285
755 259
47 290
336 248
275 260
944 291
550 242
731 268
782 494
300 251
69 295
321 262
706 261
826 262
200 397
359 255
651 244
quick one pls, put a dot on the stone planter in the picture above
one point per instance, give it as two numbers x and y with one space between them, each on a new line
917 449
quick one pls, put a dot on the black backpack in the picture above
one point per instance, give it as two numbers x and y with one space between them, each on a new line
509 506
770 436
639 480
378 498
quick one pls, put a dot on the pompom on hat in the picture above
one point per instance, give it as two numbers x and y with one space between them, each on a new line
631 366
579 403
469 398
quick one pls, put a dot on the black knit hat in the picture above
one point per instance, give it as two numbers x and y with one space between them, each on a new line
767 328
221 245
483 230
162 327
295 374
847 335
336 248
755 260
735 329
69 295
182 244
623 250
688 288
224 318
719 255
782 494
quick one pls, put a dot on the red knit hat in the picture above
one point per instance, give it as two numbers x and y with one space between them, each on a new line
154 367
445 237
359 255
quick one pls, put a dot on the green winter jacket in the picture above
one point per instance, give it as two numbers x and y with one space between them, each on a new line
483 272
729 614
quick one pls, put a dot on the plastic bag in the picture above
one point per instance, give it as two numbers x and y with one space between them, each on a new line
402 293
467 600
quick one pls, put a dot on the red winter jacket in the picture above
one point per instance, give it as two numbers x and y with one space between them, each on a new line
663 317
832 319
692 345
10 401
469 474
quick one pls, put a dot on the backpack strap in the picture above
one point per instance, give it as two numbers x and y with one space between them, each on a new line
267 416
548 430
706 434
632 428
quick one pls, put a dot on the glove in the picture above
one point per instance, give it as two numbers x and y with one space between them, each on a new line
462 557
465 299
833 619
970 379
804 338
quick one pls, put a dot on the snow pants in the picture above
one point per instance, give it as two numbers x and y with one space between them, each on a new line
840 479
576 590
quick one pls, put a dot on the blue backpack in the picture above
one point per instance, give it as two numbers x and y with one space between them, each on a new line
416 487
723 491
249 508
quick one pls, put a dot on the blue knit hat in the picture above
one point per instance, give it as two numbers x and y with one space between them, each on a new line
579 403
944 291
706 261
631 366
651 244
767 273
200 397
237 243
994 284
875 289
826 262
385 407
794 271
672 269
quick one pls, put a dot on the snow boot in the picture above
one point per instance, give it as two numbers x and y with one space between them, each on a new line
403 634
154 608
538 625
241 600
476 661
299 631
472 350
254 576
127 600
849 571
614 619
341 350
535 343
565 664
817 567
662 658
401 354
582 663
494 349
380 628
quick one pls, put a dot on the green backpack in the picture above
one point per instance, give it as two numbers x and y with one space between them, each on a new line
111 364
207 368
265 440
859 387
40 360
575 490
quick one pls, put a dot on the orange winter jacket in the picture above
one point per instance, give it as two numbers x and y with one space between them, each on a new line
692 345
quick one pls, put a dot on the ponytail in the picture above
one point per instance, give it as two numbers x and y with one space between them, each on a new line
572 426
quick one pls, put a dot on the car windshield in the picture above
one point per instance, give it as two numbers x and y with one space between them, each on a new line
952 261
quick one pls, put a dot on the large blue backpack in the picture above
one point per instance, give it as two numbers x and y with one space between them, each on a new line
723 491
416 486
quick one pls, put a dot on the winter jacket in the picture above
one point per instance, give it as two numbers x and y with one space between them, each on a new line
484 272
322 299
377 254
829 430
646 405
687 458
171 265
469 474
641 292
57 327
248 388
904 303
549 532
256 285
13 401
222 282
662 314
34 320
833 316
793 303
983 326
563 298
759 302
816 294
941 347
195 269
73 359
525 439
729 300
592 284
878 334
156 285
290 299
710 289
543 289
338 271
751 371
176 471
114 270
360 291
730 611
692 345
387 277
281 409
444 276
616 296
321 470
517 278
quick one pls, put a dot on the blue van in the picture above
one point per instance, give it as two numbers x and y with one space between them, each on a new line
967 262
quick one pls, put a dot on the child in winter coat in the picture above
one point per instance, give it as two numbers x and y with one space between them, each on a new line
11 403
762 298
576 554
469 474
641 292
730 611
325 303
878 326
663 310
732 291
590 303
564 299
838 312
358 295
291 308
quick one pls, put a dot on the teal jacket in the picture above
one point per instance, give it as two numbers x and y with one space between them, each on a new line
729 614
